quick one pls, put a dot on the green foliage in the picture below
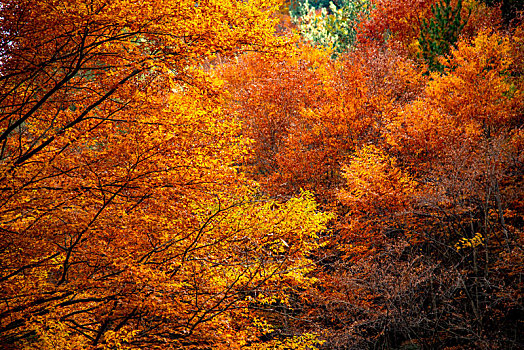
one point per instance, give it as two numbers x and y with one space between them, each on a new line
334 27
297 4
441 32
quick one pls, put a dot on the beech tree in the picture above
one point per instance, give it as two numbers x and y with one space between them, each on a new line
161 163
124 222
440 200
425 176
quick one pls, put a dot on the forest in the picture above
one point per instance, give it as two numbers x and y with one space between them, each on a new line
261 174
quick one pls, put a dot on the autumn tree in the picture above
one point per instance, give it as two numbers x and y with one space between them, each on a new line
440 202
124 222
307 114
395 22
426 176
425 28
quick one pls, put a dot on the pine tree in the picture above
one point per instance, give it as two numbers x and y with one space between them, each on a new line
441 32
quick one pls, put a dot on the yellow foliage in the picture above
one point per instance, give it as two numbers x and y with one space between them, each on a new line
473 242
374 180
125 219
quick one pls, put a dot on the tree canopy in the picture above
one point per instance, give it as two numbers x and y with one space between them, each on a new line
227 174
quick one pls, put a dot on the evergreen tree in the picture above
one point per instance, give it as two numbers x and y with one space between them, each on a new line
442 31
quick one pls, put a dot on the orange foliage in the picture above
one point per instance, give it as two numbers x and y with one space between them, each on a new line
475 100
145 148
378 196
124 222
433 206
396 20
398 23
307 114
